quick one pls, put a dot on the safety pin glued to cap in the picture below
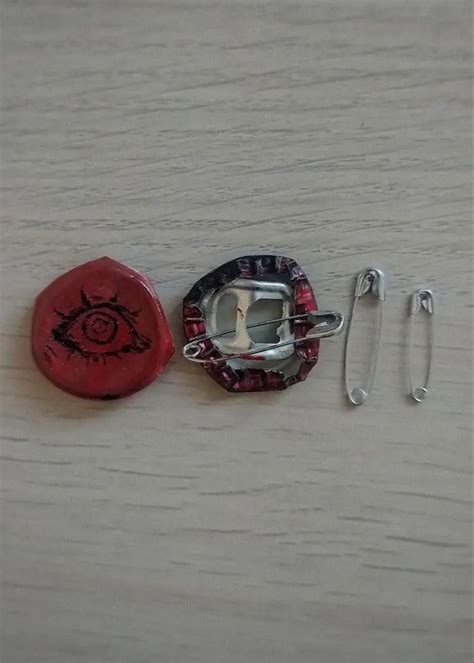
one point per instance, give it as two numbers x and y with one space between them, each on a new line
326 323
421 299
369 281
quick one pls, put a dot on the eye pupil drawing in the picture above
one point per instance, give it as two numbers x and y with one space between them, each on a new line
99 328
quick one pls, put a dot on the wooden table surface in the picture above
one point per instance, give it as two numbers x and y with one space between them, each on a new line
184 524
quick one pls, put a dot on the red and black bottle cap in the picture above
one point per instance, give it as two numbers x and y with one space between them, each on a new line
253 324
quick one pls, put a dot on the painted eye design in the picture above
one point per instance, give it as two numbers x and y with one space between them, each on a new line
100 328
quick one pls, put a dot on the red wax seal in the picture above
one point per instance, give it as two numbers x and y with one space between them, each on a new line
99 331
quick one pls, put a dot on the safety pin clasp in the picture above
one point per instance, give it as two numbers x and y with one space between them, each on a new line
369 281
325 324
421 299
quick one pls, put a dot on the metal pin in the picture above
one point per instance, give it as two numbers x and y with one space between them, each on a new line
369 281
327 323
421 299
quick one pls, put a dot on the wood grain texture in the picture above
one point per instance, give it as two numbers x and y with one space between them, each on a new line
188 525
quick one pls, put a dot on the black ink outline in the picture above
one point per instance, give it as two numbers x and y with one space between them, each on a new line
61 333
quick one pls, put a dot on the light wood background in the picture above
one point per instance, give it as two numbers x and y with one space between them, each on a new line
188 525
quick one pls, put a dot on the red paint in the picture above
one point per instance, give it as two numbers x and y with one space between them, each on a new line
99 331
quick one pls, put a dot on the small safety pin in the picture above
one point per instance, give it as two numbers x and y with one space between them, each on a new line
369 281
421 299
328 323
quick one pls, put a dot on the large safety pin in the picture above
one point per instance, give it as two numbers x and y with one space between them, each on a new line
327 323
370 280
421 299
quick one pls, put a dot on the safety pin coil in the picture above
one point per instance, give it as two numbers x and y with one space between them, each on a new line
421 299
369 281
325 324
